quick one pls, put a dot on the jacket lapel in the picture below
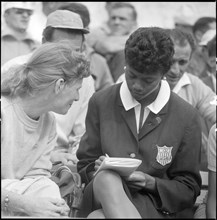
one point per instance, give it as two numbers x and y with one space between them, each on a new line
152 121
129 117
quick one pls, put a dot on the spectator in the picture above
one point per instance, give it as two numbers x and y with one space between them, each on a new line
211 199
190 87
208 43
63 25
110 39
39 19
207 209
98 65
49 81
15 40
197 65
167 182
185 17
202 25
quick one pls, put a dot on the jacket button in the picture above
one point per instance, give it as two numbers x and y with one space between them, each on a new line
132 155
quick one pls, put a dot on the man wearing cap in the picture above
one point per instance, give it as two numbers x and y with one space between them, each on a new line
190 87
98 64
15 40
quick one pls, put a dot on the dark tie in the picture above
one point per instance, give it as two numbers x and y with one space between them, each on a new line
141 116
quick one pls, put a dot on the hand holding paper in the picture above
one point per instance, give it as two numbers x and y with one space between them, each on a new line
124 166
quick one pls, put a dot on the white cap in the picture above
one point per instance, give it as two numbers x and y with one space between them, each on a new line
22 5
185 15
207 36
66 19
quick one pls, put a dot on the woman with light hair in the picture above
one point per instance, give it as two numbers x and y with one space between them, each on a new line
49 81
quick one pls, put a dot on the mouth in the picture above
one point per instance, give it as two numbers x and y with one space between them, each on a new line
172 78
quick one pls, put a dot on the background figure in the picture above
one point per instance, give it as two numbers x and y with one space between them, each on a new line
190 87
98 65
208 44
211 199
197 65
140 118
15 40
109 40
207 208
39 19
49 81
185 17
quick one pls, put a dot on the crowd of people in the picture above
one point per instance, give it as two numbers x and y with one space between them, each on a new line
120 90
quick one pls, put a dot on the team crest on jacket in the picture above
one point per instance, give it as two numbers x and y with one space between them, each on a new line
164 155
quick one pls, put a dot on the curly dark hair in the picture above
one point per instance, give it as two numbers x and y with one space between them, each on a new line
149 50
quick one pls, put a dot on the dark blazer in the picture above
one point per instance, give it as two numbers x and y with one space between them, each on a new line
112 130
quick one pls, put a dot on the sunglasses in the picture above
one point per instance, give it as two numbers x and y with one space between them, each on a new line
20 11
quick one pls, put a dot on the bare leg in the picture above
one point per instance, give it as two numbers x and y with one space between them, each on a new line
96 214
110 195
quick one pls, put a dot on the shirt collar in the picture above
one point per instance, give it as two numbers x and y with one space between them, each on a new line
7 31
162 98
183 81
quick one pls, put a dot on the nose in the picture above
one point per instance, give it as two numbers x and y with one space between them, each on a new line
138 87
25 14
175 69
117 20
77 96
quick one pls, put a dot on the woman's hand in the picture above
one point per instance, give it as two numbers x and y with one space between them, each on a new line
98 162
136 180
46 207
139 180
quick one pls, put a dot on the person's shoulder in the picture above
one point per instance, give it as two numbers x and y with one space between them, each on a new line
181 105
194 79
107 93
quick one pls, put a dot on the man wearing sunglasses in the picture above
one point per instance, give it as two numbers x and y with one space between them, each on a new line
15 40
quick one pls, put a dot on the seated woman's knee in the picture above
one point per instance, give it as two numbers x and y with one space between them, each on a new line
106 178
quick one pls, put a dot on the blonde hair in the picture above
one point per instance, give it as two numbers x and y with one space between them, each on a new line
48 63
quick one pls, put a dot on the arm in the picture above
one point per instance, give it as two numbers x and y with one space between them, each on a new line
110 44
181 187
101 70
211 157
89 149
204 96
211 199
42 207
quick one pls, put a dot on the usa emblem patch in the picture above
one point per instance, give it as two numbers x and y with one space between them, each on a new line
164 155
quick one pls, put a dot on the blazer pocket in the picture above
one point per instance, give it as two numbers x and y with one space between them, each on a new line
162 155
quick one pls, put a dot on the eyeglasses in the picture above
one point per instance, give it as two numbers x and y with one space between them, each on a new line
20 11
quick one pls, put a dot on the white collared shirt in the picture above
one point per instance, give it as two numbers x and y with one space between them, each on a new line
129 102
184 80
